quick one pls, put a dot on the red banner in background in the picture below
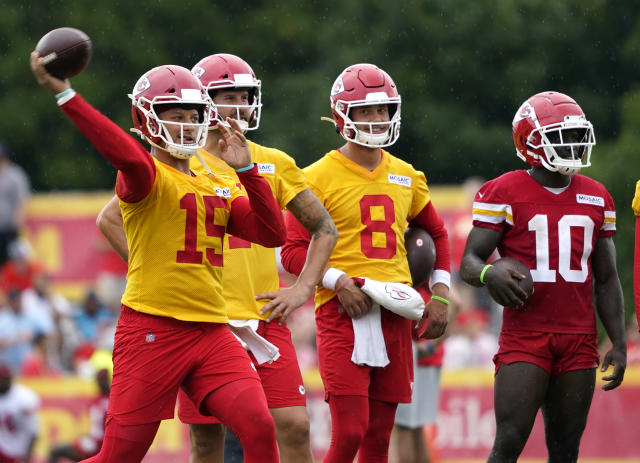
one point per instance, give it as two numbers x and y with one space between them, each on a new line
61 227
465 431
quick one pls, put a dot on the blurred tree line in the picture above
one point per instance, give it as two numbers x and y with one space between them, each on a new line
462 67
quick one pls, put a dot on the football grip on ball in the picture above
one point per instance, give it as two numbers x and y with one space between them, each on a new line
65 51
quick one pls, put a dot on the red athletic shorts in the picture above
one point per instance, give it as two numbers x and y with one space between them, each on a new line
343 377
556 353
154 356
281 380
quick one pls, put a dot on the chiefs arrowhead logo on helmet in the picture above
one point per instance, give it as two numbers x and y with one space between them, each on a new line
551 130
142 84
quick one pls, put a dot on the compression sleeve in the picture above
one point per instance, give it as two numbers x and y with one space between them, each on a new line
429 220
258 218
294 251
137 170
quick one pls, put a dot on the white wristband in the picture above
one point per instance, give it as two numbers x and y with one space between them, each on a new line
331 277
440 276
64 96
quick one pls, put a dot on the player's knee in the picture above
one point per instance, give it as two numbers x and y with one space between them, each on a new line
293 431
256 424
510 441
206 440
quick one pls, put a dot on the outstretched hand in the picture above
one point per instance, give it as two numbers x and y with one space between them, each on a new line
618 358
46 80
234 148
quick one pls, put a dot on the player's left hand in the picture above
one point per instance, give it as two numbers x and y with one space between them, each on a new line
234 148
284 301
46 80
618 358
435 313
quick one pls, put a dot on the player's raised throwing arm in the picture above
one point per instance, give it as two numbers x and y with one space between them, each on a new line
121 150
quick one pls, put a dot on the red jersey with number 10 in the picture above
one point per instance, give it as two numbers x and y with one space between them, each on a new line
554 234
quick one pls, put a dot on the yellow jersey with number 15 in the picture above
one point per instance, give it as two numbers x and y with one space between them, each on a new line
370 210
175 246
249 268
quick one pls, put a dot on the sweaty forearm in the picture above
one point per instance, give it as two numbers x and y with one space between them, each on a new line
311 214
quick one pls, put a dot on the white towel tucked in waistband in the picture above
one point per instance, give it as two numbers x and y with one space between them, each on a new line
369 347
246 331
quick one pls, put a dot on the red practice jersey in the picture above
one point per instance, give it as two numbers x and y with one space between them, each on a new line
554 234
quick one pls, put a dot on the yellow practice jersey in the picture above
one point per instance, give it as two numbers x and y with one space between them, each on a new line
249 268
175 238
370 210
636 200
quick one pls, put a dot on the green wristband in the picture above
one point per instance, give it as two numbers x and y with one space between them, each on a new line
441 299
484 270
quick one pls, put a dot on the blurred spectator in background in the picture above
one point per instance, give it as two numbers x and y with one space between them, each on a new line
19 426
37 362
50 312
14 193
91 317
94 326
88 445
470 342
20 271
16 332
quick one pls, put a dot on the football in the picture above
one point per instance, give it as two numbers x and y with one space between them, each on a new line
66 51
421 254
514 264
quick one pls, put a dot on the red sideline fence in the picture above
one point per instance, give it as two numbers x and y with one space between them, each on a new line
464 434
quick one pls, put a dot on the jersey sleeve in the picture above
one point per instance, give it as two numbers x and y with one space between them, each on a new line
290 180
421 194
608 227
491 209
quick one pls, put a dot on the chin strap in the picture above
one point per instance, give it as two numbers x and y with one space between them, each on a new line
204 164
328 119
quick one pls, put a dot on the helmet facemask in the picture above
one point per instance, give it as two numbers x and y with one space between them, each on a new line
366 133
566 145
253 107
159 129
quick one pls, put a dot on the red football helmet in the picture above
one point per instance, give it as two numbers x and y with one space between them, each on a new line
226 71
364 85
551 130
172 86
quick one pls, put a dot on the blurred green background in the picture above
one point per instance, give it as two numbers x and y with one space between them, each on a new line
462 68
